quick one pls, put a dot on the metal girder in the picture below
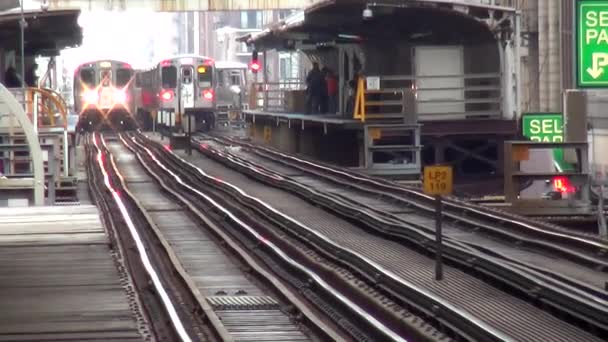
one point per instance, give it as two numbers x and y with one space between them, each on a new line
180 5
15 108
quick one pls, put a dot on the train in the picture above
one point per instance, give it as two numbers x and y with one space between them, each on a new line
104 95
168 95
179 91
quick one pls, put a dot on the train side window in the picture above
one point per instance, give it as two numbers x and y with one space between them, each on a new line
123 76
205 76
235 78
169 77
221 79
87 76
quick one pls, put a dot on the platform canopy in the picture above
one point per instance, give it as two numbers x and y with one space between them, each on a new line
418 21
47 32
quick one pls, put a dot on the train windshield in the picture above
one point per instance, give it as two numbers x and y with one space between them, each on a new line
106 78
87 76
169 77
123 76
205 76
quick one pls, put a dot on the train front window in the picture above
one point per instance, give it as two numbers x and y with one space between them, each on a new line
106 78
87 76
205 76
187 75
123 76
169 77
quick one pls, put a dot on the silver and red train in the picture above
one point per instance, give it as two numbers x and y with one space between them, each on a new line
104 95
177 89
167 94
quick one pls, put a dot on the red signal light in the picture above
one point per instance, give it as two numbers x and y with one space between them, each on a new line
562 184
166 95
255 66
208 94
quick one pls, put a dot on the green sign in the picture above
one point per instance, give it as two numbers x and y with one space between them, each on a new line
592 43
546 127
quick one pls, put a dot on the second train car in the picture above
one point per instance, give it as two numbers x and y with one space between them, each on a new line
178 89
103 95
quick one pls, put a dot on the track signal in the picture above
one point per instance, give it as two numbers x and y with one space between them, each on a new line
255 63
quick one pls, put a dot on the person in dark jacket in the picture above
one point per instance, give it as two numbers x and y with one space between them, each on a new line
324 105
11 80
314 89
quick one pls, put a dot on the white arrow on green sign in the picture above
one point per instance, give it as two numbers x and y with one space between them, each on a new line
592 43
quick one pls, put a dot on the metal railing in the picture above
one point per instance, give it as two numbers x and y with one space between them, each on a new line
384 104
451 96
441 97
44 107
271 96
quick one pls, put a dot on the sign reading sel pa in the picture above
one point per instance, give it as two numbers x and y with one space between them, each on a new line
438 180
592 43
543 127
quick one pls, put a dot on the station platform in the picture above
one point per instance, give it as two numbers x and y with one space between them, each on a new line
389 147
327 119
59 280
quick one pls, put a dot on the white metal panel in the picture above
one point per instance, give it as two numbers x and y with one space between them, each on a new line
438 68
187 94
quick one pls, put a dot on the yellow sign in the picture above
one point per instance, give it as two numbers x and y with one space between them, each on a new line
438 180
267 134
202 70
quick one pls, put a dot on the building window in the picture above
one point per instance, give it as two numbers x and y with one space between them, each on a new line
251 19
285 13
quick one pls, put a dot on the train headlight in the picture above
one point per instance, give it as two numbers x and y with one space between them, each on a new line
120 96
166 95
208 94
91 96
235 89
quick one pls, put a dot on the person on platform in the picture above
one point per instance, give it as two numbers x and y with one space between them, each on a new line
11 79
314 88
324 104
332 91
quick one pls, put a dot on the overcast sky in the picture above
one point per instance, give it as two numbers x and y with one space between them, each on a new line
136 37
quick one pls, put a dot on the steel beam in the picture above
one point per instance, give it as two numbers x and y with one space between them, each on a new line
180 5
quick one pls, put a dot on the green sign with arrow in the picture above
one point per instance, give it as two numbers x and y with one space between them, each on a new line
592 43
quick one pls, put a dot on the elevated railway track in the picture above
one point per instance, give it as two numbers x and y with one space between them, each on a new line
391 251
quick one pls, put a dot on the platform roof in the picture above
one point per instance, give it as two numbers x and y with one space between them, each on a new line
47 32
342 20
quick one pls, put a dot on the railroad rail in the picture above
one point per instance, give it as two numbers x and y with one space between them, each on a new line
341 296
152 273
396 270
235 305
567 293
575 257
